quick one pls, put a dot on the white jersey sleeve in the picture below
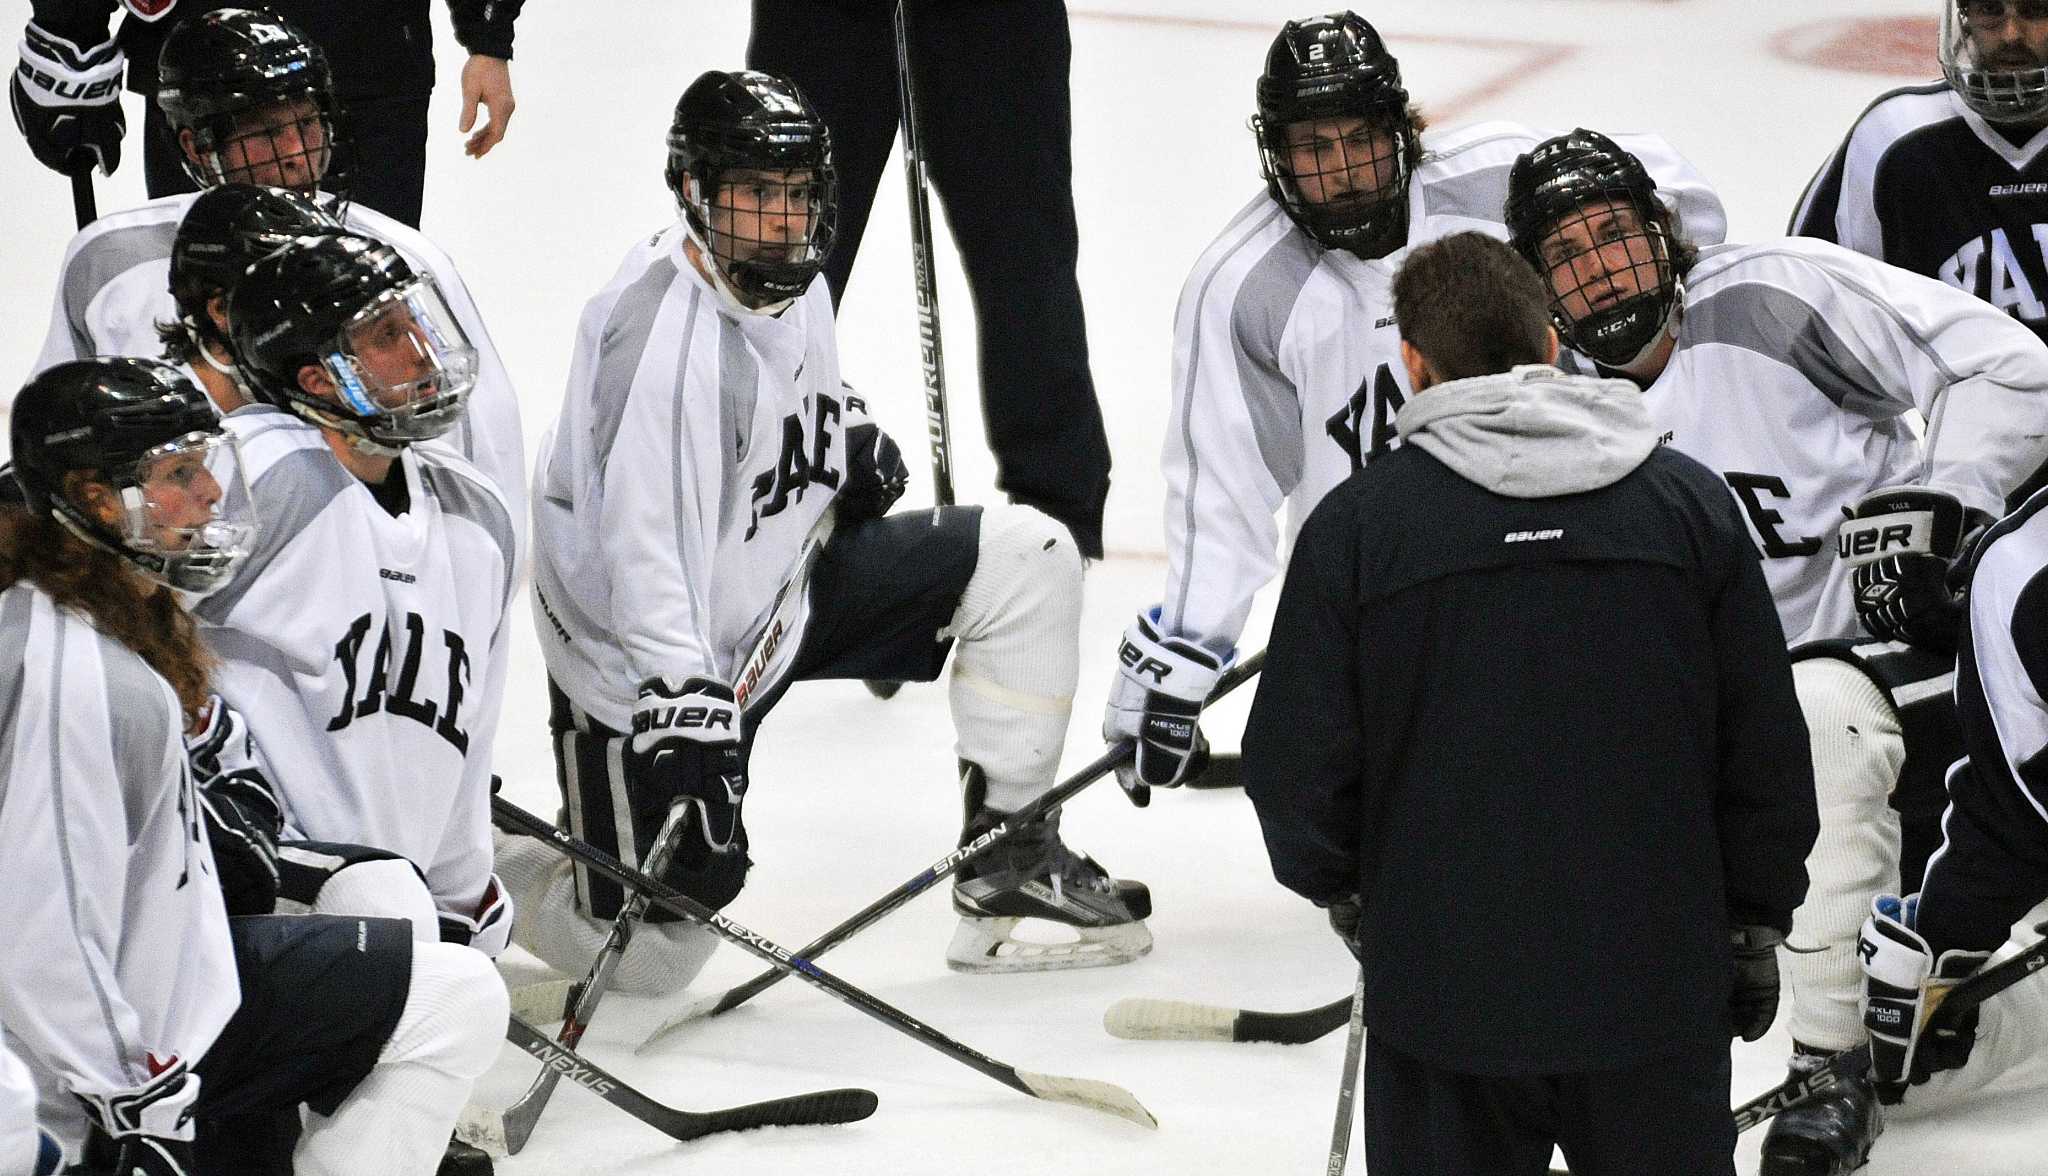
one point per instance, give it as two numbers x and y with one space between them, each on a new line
118 964
114 285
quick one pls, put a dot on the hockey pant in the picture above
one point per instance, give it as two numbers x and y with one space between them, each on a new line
890 598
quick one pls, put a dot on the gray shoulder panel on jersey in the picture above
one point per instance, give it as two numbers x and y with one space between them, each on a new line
103 259
14 606
620 349
466 498
289 496
739 393
1478 195
1777 324
1258 317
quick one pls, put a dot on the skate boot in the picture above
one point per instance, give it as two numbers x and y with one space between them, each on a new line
1031 874
1829 1134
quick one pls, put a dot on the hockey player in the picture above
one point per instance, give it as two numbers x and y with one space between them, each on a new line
1790 368
252 101
365 640
1993 862
134 997
1287 370
704 442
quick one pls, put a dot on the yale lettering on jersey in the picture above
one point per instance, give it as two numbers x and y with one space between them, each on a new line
804 457
1765 520
1996 270
404 697
1380 395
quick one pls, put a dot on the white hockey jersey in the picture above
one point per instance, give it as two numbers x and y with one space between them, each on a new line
1287 366
117 961
1796 367
697 446
17 1114
368 652
114 288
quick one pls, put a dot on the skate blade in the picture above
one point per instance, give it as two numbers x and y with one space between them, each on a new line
1150 1019
986 946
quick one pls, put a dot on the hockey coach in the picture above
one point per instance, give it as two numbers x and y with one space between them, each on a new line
1527 729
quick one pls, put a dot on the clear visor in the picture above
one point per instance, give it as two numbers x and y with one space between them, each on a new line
403 365
186 516
1995 54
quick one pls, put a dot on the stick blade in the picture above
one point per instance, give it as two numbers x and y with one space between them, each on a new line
818 1108
695 1010
482 1127
1106 1097
1148 1019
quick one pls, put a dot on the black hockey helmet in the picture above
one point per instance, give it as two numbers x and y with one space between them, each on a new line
762 124
1556 194
224 232
394 365
248 77
2004 80
143 430
1337 67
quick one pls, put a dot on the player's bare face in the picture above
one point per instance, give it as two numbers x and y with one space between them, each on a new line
762 215
283 145
1599 257
1337 162
2007 34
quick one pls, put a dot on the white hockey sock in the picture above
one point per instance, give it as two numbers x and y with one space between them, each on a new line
663 957
397 1120
1857 752
1018 628
386 889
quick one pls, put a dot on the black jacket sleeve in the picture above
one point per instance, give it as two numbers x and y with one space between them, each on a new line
1304 744
485 26
1765 810
84 23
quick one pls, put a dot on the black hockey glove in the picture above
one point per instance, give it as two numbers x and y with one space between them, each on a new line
1161 684
1903 984
1753 1004
686 748
875 475
1909 547
134 1132
67 102
1345 915
243 817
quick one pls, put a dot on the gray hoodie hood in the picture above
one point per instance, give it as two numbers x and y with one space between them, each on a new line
1534 432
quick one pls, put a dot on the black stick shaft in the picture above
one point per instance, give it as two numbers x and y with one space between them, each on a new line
84 208
931 351
946 866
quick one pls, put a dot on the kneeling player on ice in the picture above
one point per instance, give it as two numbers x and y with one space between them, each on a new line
704 443
1286 361
1791 368
1992 866
1462 624
364 639
188 1039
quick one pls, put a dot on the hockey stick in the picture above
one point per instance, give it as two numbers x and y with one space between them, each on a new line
1147 1019
931 352
84 207
1347 1087
487 1130
1081 1092
1058 795
1961 999
581 1003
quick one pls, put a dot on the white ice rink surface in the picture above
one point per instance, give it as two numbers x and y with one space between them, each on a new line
852 796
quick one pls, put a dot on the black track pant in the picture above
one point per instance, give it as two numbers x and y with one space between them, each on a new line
996 124
1669 1115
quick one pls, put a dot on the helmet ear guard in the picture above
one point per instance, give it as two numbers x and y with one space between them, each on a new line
1586 182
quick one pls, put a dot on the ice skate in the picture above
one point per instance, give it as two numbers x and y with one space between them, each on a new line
1829 1134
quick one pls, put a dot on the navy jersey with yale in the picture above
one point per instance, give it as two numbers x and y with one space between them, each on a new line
1924 183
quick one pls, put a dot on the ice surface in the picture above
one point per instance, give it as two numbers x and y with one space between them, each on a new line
852 796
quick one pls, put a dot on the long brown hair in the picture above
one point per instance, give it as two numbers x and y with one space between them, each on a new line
143 615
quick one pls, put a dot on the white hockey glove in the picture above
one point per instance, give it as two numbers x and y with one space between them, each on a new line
1903 985
687 750
1909 546
67 102
146 1131
490 929
1161 684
